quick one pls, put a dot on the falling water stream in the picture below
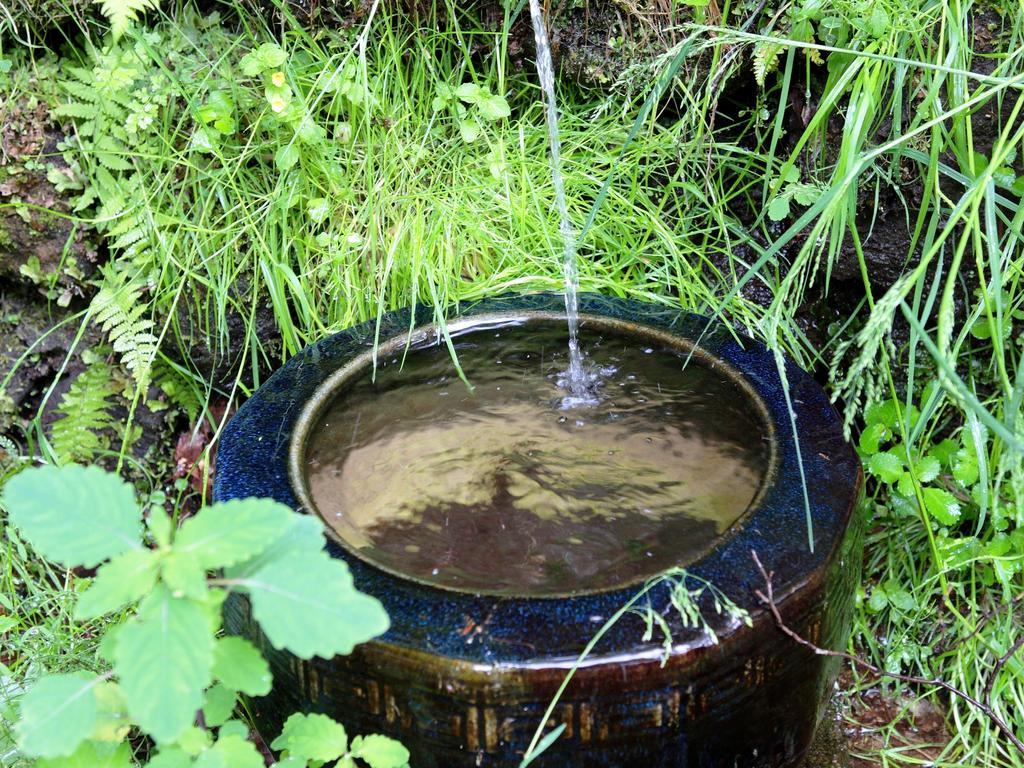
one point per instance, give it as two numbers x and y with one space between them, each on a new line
577 380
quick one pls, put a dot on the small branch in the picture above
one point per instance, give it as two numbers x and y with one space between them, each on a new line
768 598
1000 663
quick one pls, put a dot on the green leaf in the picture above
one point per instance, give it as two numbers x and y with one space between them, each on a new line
73 515
112 722
380 751
886 466
469 129
239 665
965 467
218 705
164 658
806 194
170 757
57 715
778 209
944 451
125 579
312 737
873 436
286 156
901 599
317 209
879 599
195 740
941 505
93 754
160 526
231 752
927 469
310 606
183 574
268 56
494 108
229 533
883 412
470 93
304 537
236 727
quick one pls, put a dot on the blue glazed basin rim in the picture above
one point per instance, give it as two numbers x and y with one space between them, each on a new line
253 460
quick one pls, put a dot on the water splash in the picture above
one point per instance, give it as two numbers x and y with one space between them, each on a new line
577 380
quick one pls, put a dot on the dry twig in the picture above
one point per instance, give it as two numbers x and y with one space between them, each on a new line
768 598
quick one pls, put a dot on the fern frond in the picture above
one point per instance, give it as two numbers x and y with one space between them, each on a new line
85 416
766 59
182 392
76 109
123 315
121 13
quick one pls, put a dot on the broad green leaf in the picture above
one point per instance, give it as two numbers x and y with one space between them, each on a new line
879 599
286 156
236 727
251 65
160 526
883 412
194 740
92 754
170 757
230 752
112 723
900 598
184 574
163 659
965 467
310 606
806 194
470 130
270 55
470 93
75 516
941 505
927 468
494 108
873 436
312 737
239 665
228 533
886 466
380 751
57 715
317 209
304 537
778 208
125 579
944 451
218 705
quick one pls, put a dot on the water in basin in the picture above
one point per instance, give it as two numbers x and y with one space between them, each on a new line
505 490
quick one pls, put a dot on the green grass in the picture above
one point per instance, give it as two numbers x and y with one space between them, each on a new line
386 205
